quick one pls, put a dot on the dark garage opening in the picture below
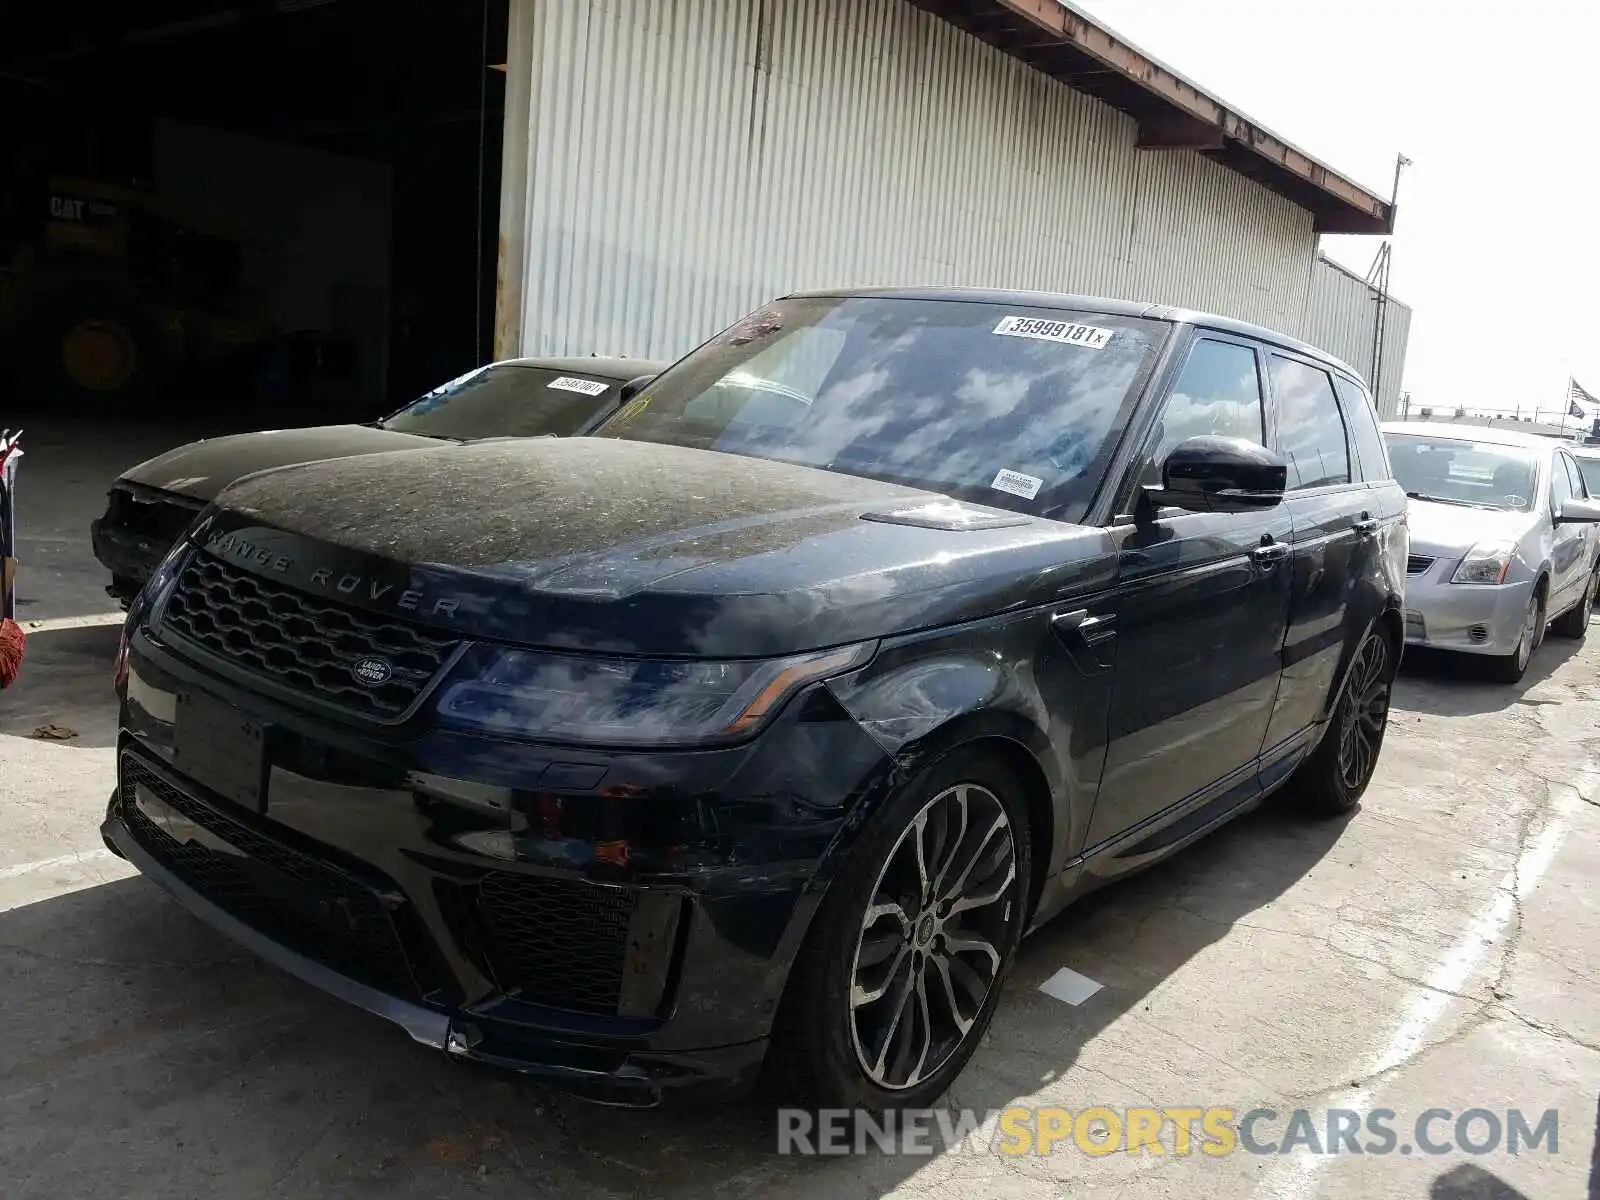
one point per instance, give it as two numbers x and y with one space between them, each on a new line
285 210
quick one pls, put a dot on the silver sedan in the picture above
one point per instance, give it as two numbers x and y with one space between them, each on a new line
1503 543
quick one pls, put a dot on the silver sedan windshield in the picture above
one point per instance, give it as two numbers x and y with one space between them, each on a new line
1463 471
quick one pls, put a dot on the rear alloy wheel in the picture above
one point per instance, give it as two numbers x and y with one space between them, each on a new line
1574 623
1334 778
1510 668
903 964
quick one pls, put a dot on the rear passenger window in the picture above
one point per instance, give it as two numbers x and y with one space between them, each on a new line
1589 472
1311 434
1218 392
1371 453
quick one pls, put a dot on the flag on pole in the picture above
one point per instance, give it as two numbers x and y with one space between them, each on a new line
1577 397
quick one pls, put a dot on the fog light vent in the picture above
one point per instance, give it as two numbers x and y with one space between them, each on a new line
1478 633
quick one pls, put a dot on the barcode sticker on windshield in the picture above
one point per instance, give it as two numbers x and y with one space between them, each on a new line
1018 484
1090 337
589 387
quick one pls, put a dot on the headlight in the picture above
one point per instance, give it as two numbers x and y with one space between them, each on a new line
1487 562
152 598
638 702
147 604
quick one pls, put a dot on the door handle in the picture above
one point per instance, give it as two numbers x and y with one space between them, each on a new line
1083 636
1079 623
1366 527
1270 553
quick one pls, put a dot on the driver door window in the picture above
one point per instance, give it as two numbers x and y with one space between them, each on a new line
1218 392
1580 491
1560 484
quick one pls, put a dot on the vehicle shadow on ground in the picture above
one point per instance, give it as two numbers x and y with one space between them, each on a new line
137 1030
1471 1182
1454 685
65 682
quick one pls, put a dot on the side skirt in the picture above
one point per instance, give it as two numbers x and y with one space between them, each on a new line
1179 826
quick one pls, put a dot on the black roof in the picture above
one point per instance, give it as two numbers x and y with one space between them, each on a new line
1098 304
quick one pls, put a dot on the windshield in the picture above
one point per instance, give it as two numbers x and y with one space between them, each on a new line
1589 468
507 400
998 404
1462 471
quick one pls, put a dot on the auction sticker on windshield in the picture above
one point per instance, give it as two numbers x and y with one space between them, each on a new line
589 387
1090 337
1018 484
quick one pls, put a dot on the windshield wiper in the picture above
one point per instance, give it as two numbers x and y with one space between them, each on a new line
1449 500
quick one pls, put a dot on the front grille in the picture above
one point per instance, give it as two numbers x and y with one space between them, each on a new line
1416 564
302 902
305 643
556 942
164 518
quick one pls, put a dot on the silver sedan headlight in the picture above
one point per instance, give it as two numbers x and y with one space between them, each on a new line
1487 562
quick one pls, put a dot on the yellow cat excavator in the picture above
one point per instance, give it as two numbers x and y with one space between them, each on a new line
108 290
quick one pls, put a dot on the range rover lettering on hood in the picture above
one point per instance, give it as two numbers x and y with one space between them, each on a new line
611 547
262 551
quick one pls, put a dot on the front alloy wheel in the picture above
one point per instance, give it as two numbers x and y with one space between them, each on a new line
1510 668
929 951
902 965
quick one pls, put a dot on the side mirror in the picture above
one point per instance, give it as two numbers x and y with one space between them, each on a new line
633 387
1578 512
1219 474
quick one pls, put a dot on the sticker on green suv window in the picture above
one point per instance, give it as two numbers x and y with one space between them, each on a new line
1069 333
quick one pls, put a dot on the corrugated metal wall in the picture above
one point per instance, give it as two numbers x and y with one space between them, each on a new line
1340 319
671 164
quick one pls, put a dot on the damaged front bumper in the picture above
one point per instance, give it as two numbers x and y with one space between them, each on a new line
604 1071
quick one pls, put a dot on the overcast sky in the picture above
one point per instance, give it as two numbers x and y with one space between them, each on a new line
1497 247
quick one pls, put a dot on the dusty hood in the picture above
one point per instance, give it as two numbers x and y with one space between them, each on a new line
1441 527
202 469
599 544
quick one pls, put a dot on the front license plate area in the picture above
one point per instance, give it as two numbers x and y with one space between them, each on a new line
222 749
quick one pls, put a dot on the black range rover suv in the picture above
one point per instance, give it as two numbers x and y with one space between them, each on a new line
761 726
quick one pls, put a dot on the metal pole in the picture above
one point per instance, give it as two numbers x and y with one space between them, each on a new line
1380 318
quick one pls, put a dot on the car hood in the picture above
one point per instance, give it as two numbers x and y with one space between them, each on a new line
202 469
1452 527
597 544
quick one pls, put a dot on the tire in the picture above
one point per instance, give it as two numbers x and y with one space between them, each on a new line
92 347
1335 777
832 1049
1574 623
1510 668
